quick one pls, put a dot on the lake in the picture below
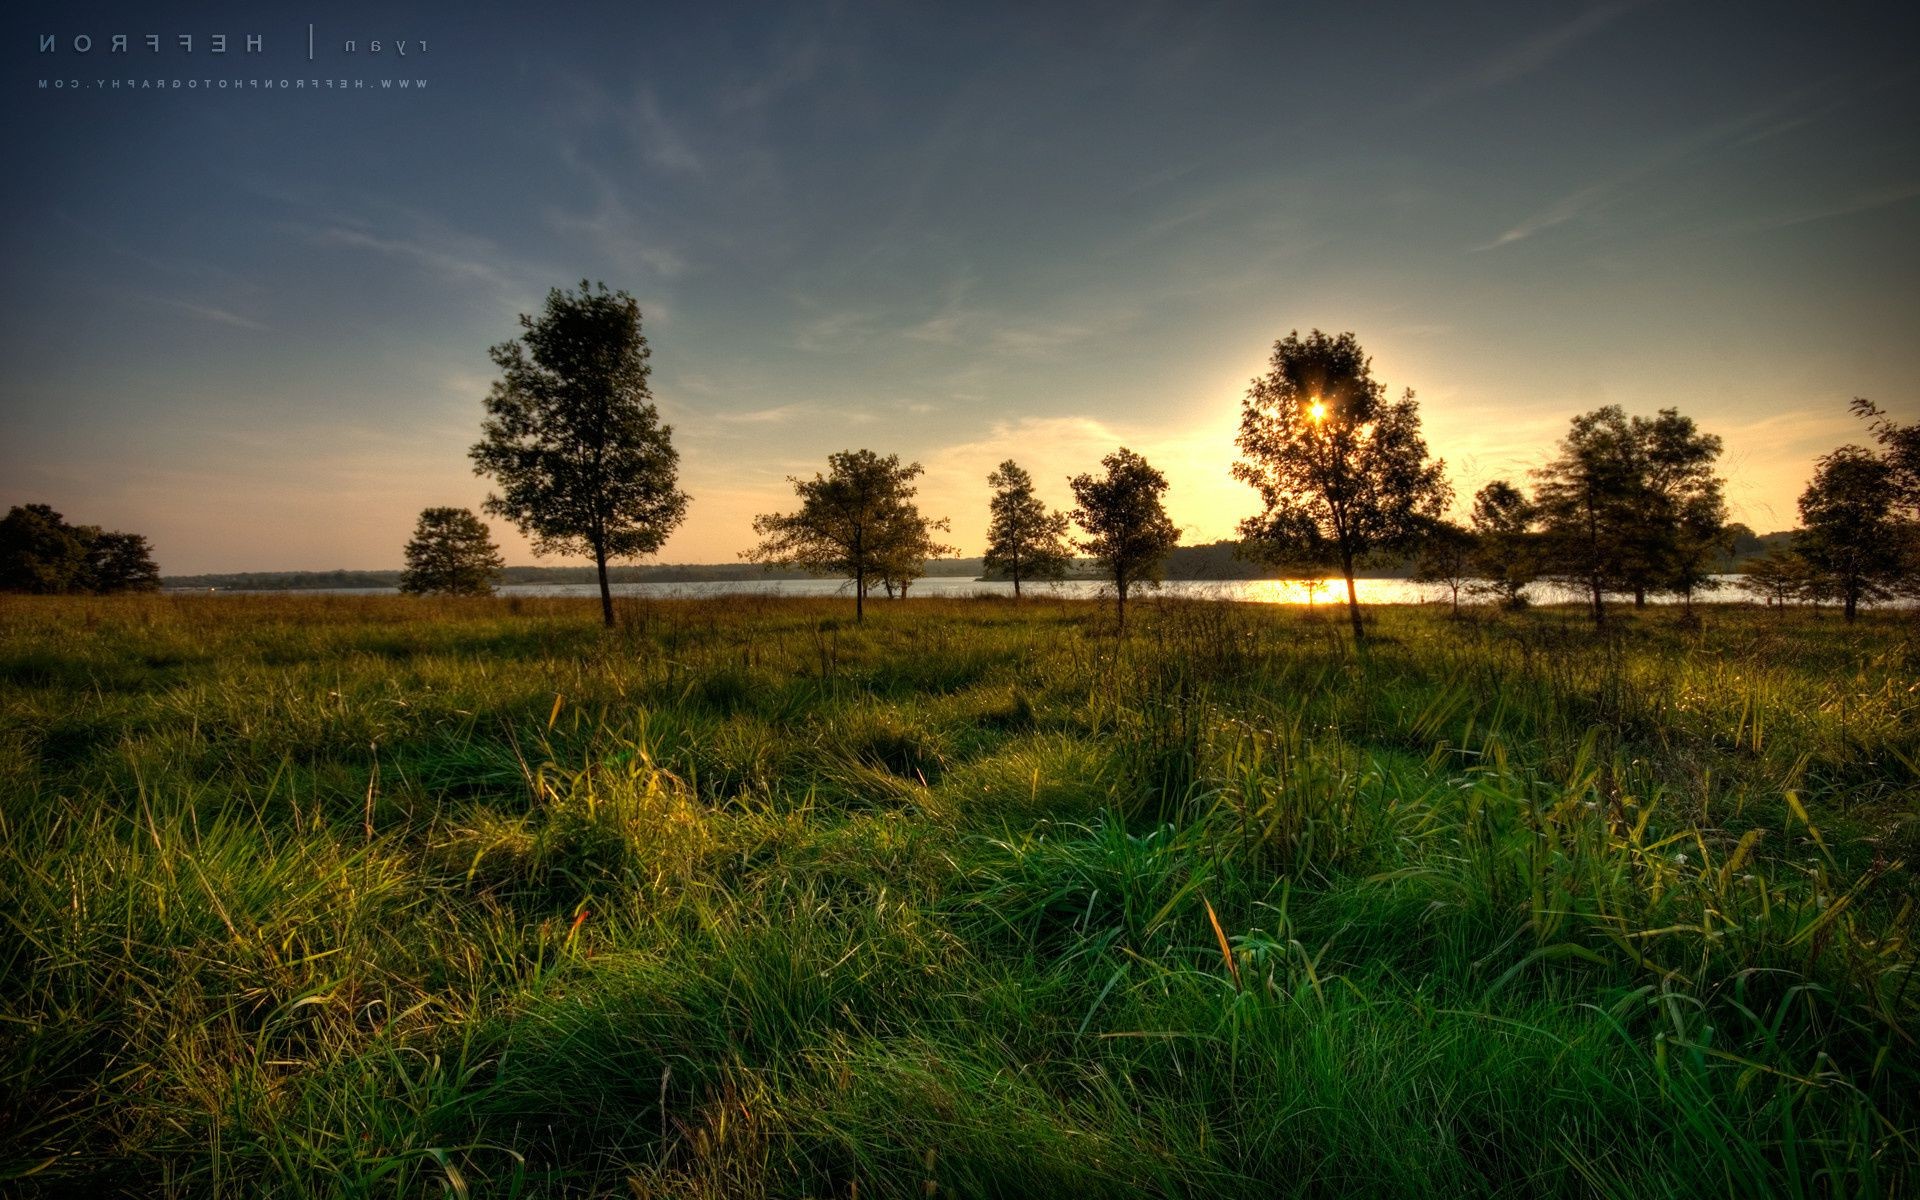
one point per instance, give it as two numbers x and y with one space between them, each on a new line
1260 591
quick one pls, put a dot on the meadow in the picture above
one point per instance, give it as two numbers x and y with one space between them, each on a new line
363 896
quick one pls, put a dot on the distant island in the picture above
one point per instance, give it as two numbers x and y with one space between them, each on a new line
1212 560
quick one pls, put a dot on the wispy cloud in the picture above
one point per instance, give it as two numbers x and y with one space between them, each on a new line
1718 135
1530 54
217 315
1864 201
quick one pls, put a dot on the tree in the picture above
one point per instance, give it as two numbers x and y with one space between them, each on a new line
1128 530
1340 471
39 552
1505 553
1899 449
573 438
906 545
451 554
1632 504
1445 557
1852 539
118 562
1025 539
857 521
1683 515
1779 576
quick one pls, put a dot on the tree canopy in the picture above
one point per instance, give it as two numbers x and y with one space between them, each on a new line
1126 523
1853 537
451 553
1025 539
42 554
1631 504
573 438
857 521
1340 470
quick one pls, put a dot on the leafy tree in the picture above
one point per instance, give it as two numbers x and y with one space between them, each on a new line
1340 471
1899 449
1779 576
451 554
118 562
1632 504
1683 527
1505 552
39 552
1128 530
573 438
1025 539
909 542
1852 539
1446 558
857 521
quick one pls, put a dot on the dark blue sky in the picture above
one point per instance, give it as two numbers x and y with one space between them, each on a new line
252 323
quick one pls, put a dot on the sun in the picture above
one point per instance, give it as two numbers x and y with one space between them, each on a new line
1317 410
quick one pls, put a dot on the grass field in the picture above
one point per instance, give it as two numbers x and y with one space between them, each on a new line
369 896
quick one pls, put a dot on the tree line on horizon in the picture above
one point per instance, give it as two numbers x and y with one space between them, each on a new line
1629 506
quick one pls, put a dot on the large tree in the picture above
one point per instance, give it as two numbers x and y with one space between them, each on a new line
1341 471
41 553
1128 531
118 562
1505 551
1025 538
451 553
1853 539
573 438
1631 504
857 521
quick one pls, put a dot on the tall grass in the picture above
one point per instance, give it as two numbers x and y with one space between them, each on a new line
318 896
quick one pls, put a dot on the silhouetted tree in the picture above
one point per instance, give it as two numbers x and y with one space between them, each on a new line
1025 539
1683 515
451 554
42 554
1632 504
1779 576
118 562
857 521
1852 539
1446 558
1899 449
39 552
572 436
1340 471
1506 551
1128 530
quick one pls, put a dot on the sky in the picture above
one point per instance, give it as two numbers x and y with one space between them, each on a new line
253 323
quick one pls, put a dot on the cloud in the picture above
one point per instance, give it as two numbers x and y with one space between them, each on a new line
462 262
1527 56
1717 135
217 315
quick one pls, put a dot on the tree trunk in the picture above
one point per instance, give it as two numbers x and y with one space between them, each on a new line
1353 600
1639 596
606 594
1852 604
1121 586
859 596
1599 604
1016 585
1456 599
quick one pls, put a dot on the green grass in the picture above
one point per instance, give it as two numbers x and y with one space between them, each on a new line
377 897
